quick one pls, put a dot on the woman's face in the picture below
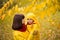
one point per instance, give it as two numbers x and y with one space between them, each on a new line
23 21
30 21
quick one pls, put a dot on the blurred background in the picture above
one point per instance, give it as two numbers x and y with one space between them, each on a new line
47 13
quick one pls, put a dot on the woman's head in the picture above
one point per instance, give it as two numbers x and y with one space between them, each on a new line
17 21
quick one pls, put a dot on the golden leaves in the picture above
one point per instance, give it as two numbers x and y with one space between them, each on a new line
3 16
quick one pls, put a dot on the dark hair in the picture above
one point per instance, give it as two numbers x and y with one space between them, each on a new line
17 21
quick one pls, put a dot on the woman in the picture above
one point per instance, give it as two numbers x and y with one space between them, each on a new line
18 23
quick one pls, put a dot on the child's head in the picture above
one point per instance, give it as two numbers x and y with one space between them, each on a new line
17 21
30 21
31 18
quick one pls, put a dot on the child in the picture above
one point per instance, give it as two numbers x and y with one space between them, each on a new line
33 27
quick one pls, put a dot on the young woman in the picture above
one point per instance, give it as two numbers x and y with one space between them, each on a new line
18 23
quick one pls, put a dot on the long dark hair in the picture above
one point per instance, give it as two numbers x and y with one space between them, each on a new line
17 21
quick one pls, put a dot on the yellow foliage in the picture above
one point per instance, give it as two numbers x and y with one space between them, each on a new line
42 5
27 9
3 16
9 12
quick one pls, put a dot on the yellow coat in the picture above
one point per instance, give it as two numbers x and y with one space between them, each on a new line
34 28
